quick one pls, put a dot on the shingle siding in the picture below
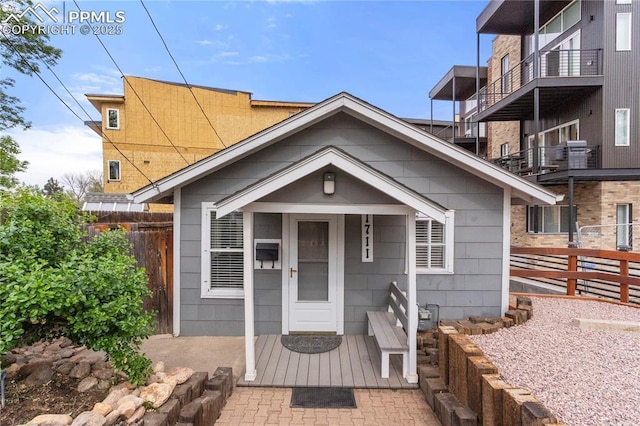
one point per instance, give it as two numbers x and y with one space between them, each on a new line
478 221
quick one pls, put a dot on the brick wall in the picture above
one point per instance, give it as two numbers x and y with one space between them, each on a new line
596 204
503 132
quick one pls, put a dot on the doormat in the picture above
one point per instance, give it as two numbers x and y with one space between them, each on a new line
310 343
323 398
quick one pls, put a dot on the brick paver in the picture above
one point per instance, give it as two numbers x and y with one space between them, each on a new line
270 406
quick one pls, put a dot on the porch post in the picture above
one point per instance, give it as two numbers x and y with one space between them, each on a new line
412 301
249 332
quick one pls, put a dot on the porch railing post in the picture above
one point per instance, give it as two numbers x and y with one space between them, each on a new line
412 302
571 282
249 330
624 286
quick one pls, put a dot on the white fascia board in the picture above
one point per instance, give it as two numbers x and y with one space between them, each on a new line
330 156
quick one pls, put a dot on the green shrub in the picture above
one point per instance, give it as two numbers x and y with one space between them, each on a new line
53 284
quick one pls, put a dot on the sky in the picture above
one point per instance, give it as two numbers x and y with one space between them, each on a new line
389 53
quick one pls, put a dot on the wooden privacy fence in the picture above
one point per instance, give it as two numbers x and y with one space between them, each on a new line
603 273
151 235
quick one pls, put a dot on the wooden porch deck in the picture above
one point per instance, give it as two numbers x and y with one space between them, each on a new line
354 364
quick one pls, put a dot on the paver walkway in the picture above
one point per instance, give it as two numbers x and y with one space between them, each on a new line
259 406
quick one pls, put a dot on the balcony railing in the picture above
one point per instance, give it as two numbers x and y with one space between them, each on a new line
551 159
551 63
462 129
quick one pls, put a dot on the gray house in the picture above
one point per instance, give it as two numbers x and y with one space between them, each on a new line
302 227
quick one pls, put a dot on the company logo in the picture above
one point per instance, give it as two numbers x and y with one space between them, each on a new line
39 19
37 11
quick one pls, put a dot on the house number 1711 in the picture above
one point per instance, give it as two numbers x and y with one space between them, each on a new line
367 238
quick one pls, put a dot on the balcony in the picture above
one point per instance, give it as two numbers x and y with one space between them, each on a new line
562 74
463 134
577 155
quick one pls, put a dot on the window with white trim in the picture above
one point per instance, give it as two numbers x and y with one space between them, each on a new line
504 70
504 149
621 137
623 230
113 119
434 245
623 31
114 171
222 267
549 219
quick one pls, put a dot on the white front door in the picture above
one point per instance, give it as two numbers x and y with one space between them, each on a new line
313 280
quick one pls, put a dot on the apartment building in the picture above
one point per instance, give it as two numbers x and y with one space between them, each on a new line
157 127
562 107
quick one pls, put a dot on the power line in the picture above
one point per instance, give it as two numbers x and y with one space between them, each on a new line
181 74
134 90
65 104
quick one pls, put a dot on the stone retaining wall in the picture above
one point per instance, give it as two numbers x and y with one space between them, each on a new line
463 387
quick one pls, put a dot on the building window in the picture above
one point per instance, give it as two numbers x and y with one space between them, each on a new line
222 265
114 171
434 245
560 23
504 69
621 137
623 228
113 119
623 31
623 1
549 219
504 150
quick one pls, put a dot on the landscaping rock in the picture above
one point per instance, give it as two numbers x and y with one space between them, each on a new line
89 418
87 383
158 367
65 367
81 370
39 377
28 369
103 373
157 393
112 418
181 374
115 395
51 419
136 416
102 408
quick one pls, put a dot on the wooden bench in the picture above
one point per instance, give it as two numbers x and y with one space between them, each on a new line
387 329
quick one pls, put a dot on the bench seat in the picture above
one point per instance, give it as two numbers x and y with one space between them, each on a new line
391 339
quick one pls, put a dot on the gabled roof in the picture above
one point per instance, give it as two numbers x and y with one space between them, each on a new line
382 120
331 156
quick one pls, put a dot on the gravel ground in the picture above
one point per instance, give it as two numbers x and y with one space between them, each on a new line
586 377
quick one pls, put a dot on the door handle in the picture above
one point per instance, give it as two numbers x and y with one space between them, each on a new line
291 271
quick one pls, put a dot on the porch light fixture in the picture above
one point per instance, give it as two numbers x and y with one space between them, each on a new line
329 183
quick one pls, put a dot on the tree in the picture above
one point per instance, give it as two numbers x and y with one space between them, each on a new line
24 52
80 184
53 283
9 162
53 188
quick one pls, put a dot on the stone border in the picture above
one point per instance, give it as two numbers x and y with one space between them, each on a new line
178 397
466 388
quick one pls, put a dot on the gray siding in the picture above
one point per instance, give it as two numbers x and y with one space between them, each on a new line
475 288
621 76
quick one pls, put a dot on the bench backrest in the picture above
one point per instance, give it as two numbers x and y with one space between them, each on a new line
398 304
